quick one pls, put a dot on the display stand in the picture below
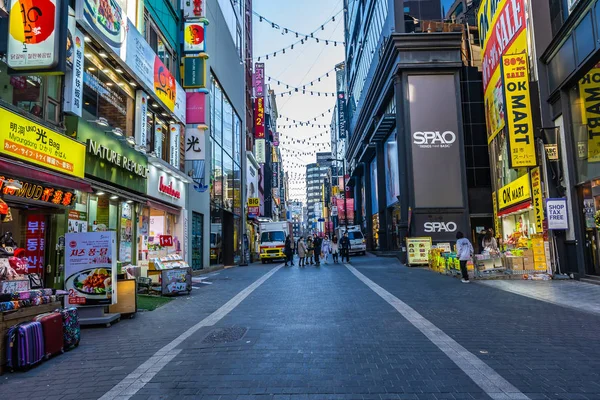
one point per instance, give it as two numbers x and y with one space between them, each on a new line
95 315
172 274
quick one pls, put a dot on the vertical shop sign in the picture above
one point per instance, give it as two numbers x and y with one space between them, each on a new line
259 148
497 232
73 99
519 120
35 237
275 139
258 79
33 34
194 71
126 236
194 144
589 92
503 30
174 144
538 202
196 108
341 109
259 118
275 167
194 40
141 119
193 8
158 140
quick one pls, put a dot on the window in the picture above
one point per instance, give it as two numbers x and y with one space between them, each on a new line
278 236
232 11
160 46
35 94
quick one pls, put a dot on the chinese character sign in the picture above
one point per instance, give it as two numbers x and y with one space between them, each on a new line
33 43
259 79
194 144
91 268
35 236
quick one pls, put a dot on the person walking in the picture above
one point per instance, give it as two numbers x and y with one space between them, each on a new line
334 248
464 252
318 243
310 248
345 245
326 249
301 252
289 251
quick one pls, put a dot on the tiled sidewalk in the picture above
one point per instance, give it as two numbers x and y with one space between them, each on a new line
573 294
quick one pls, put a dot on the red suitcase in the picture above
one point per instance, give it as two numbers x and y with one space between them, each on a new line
52 327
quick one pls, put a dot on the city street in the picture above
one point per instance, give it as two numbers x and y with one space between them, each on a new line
372 330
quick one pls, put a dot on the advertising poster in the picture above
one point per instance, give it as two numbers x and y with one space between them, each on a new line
91 268
141 119
176 280
392 187
374 189
193 37
77 221
503 30
589 210
174 139
418 250
519 121
538 202
33 34
589 87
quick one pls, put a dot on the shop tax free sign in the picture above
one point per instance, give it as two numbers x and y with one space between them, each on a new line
556 212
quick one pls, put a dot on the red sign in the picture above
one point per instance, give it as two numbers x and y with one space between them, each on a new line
168 189
35 238
165 240
195 108
259 118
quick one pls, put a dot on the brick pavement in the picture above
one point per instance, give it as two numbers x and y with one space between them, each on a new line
315 334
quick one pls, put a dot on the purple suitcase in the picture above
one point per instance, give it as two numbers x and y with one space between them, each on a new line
71 328
24 345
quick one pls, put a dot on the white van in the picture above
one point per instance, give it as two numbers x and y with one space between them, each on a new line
357 239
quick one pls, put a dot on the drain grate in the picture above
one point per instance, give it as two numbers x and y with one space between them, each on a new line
225 335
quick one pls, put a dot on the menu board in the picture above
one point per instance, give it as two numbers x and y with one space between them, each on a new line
91 268
418 250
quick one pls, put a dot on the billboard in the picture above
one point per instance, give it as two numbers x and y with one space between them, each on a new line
502 29
436 141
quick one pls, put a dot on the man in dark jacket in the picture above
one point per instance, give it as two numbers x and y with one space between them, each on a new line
345 247
318 243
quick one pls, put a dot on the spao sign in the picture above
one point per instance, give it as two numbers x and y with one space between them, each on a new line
434 139
430 227
440 227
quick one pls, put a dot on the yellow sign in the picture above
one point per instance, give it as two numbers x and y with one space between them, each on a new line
515 192
589 93
31 142
515 76
538 246
253 202
538 201
418 250
497 232
502 28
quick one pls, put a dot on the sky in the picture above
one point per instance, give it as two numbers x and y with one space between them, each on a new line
299 66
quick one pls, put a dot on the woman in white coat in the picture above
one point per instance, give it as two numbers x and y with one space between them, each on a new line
326 249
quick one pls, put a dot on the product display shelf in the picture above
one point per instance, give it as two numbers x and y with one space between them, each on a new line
490 267
13 317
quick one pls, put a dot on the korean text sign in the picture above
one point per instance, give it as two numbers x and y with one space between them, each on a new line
519 120
91 268
31 142
259 118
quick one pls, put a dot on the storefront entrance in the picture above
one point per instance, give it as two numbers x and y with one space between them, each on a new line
197 242
228 233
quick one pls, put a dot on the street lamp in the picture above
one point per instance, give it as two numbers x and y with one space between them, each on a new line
343 161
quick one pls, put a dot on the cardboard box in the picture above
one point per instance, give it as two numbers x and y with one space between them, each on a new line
514 263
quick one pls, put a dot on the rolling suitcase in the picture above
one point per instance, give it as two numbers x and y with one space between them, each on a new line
71 328
52 328
24 345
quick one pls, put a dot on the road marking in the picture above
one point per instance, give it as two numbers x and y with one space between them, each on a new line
143 374
482 374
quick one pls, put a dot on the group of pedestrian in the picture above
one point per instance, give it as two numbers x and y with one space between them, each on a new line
315 249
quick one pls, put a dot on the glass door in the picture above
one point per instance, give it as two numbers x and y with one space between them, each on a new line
197 242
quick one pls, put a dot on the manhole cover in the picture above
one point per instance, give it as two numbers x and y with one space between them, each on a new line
225 335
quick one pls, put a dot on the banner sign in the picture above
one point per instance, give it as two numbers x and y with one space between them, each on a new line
174 144
515 192
194 144
33 191
91 268
589 93
275 167
193 8
35 237
258 79
193 36
341 109
259 118
194 72
556 209
73 99
196 108
141 119
253 207
519 120
275 139
502 29
259 149
497 232
538 202
31 142
33 38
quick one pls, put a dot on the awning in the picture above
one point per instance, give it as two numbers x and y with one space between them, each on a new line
122 192
20 170
163 207
513 209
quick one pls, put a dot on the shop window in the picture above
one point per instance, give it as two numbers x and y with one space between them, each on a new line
227 183
216 177
158 43
197 241
216 237
107 98
35 94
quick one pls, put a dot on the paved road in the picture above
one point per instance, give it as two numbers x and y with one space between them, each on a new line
373 330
